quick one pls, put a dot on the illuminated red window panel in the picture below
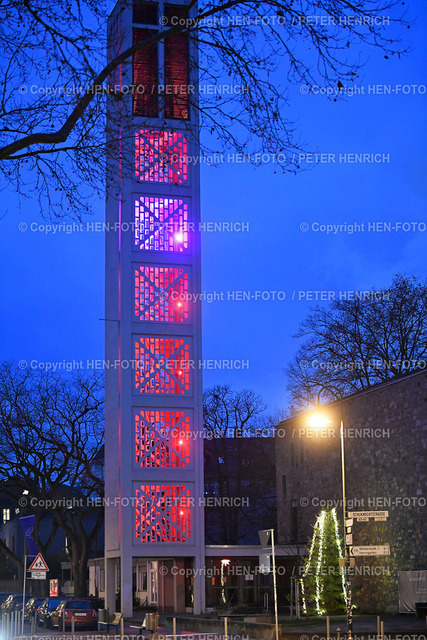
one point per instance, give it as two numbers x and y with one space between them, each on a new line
162 438
162 365
161 224
163 513
145 75
161 294
161 156
176 68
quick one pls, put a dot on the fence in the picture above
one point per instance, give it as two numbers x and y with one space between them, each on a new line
11 625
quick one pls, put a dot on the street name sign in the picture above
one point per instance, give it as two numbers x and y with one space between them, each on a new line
374 550
367 514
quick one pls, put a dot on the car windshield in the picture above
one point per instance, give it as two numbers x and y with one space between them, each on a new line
78 605
53 603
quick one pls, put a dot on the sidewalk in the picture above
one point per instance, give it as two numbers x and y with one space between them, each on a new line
399 627
364 627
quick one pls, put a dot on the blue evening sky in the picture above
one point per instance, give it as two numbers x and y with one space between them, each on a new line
53 285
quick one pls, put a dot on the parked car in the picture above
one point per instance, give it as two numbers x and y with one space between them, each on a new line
45 609
97 603
81 610
30 608
13 602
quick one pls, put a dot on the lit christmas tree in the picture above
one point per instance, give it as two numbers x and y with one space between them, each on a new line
323 582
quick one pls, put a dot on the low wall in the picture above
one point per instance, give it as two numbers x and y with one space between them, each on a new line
240 628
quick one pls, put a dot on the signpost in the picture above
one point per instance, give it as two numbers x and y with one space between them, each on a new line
264 537
39 570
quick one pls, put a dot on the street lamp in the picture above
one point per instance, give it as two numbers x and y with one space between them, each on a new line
318 421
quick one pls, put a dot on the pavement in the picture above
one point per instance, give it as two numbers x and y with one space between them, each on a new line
398 627
364 628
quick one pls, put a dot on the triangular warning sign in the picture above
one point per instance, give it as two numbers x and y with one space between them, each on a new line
38 564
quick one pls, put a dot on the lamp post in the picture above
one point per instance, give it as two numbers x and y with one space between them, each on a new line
318 421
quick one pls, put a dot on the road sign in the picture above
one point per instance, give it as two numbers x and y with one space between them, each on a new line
349 538
38 564
367 514
349 522
264 538
374 550
264 563
38 575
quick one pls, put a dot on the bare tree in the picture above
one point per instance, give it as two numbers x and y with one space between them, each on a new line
239 466
354 344
51 429
55 80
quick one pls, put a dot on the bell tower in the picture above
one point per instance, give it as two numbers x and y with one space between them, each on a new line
154 520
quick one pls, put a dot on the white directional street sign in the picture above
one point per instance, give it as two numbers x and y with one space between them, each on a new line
374 550
367 514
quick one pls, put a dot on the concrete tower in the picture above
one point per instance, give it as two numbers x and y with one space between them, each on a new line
154 532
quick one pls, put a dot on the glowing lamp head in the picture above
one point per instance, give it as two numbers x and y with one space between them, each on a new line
181 513
225 562
180 442
318 420
179 237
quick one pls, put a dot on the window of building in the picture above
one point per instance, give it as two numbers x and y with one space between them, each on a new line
161 156
6 515
284 488
163 513
161 294
161 224
294 521
162 365
162 438
145 12
142 579
176 68
145 75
